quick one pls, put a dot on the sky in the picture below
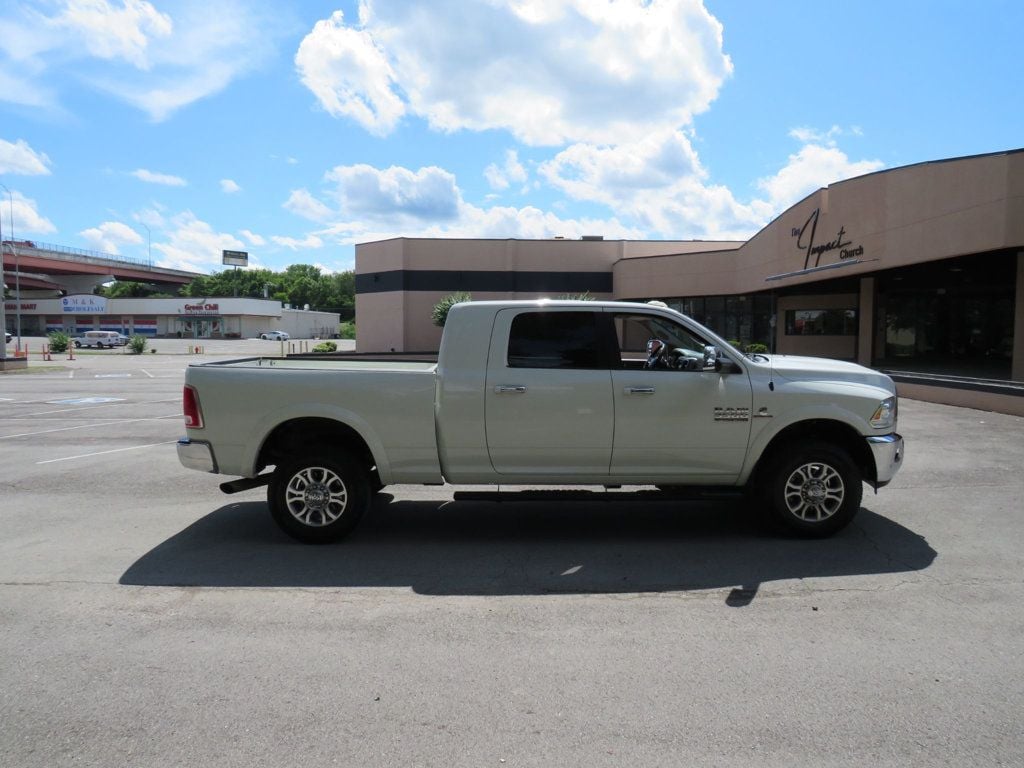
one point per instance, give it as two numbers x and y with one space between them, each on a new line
170 131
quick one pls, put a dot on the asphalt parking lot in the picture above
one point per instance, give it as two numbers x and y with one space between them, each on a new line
147 619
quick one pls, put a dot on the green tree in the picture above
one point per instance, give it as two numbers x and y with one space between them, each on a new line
298 285
443 307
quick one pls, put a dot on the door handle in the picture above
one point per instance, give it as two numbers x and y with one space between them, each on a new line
504 389
639 390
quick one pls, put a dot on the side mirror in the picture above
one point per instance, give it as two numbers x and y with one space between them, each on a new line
711 361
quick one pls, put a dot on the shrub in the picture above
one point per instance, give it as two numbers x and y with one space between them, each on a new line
585 296
347 330
441 309
756 348
59 341
325 347
137 344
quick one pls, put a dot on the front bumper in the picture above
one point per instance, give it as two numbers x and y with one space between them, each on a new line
196 454
888 453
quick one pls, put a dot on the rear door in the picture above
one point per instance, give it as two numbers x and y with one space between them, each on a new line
549 408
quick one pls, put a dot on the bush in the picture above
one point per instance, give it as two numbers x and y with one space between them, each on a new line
441 309
347 330
326 347
756 348
58 341
137 344
585 296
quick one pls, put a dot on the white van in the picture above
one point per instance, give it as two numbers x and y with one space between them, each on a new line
99 339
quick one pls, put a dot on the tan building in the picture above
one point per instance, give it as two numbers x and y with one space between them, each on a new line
918 271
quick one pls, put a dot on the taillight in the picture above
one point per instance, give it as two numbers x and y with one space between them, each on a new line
193 413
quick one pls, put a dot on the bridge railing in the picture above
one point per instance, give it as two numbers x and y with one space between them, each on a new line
74 254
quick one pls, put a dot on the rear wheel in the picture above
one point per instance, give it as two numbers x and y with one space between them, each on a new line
813 490
318 498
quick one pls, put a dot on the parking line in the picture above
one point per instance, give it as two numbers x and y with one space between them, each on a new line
101 453
86 426
147 373
107 405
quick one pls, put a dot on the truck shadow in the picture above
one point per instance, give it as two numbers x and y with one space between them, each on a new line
478 548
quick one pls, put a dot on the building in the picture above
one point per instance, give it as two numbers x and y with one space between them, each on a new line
56 285
917 270
191 318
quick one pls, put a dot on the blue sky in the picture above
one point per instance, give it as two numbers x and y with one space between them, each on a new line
174 130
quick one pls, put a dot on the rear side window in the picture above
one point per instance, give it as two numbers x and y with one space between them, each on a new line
554 340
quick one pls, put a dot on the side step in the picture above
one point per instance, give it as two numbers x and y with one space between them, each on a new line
648 494
246 483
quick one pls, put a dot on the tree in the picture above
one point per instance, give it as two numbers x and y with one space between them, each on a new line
441 309
298 285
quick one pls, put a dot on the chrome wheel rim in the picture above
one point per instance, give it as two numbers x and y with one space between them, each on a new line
316 496
814 492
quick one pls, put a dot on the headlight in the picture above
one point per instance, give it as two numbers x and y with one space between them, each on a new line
885 414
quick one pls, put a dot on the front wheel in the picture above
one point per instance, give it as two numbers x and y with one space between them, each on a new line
318 499
813 490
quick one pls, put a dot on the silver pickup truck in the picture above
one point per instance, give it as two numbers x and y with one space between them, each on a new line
548 393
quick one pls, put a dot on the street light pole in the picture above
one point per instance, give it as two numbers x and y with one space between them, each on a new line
3 299
17 272
149 243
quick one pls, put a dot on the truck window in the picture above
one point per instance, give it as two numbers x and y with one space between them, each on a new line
554 340
633 332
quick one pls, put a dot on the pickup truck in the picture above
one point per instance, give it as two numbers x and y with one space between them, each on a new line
539 393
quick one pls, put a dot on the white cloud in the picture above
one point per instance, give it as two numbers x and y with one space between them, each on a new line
813 167
627 68
152 177
21 159
194 245
27 219
302 203
349 75
429 194
229 187
252 237
156 60
510 172
607 173
109 235
110 32
308 242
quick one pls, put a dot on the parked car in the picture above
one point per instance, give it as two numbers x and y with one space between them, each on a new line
274 336
100 339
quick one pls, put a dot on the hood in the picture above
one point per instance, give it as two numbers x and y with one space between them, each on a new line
797 368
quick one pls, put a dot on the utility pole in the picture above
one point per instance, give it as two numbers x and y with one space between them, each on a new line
17 275
3 299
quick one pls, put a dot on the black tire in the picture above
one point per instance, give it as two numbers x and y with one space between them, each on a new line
318 498
812 490
99 345
263 336
78 345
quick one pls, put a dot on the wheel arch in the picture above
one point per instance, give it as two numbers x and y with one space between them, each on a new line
831 431
299 434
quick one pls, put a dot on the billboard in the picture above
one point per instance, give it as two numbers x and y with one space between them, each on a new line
236 258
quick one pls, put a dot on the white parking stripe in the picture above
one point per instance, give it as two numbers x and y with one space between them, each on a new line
101 453
86 426
108 405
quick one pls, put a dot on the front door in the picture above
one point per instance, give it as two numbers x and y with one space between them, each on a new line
675 422
548 397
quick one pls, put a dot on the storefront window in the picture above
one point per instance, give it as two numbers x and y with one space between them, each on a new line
954 316
821 322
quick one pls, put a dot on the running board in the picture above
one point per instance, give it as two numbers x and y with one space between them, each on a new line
246 483
690 494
